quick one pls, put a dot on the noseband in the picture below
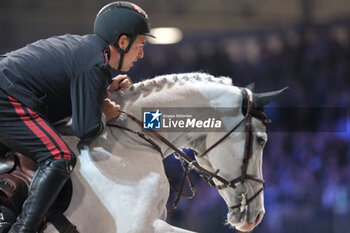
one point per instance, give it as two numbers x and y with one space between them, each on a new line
188 164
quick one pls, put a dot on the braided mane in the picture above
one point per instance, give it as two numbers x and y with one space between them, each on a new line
171 79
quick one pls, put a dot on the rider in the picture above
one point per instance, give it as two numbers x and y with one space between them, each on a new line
62 76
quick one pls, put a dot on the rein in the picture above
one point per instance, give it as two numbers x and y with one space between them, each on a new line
205 174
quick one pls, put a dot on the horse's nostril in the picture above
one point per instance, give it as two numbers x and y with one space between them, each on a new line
259 218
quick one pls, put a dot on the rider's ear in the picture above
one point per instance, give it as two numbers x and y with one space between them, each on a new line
123 42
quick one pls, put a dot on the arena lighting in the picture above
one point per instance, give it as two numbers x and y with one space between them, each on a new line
165 35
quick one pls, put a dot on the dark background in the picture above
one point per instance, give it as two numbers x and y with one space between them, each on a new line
303 44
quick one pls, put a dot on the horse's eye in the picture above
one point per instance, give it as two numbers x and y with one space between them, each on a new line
261 140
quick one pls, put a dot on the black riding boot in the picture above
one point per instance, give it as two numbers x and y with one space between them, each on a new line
46 185
7 218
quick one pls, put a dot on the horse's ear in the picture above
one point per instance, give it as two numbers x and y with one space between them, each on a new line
251 86
261 99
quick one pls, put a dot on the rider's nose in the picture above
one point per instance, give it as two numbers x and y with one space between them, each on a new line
141 53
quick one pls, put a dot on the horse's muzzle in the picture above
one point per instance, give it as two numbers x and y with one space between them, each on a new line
242 223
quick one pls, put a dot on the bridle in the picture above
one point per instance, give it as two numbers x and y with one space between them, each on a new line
189 164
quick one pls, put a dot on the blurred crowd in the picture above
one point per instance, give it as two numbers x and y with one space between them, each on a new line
307 172
306 162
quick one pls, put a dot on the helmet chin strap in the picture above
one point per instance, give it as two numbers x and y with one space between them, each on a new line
123 52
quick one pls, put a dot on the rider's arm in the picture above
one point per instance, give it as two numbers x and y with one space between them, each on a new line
88 92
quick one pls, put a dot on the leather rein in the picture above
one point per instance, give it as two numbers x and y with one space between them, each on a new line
189 164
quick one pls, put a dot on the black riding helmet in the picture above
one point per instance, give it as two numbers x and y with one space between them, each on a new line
121 18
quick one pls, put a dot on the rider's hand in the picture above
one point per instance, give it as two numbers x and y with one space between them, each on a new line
110 109
119 81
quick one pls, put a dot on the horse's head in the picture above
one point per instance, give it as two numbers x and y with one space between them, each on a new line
232 160
235 160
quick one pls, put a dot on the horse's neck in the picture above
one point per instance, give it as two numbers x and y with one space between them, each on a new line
181 91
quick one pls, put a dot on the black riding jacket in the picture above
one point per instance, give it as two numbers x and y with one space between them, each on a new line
59 77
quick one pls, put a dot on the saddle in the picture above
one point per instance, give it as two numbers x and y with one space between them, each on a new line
16 173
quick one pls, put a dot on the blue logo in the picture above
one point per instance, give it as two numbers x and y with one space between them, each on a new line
151 120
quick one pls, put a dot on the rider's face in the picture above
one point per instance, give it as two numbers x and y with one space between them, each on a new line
135 52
